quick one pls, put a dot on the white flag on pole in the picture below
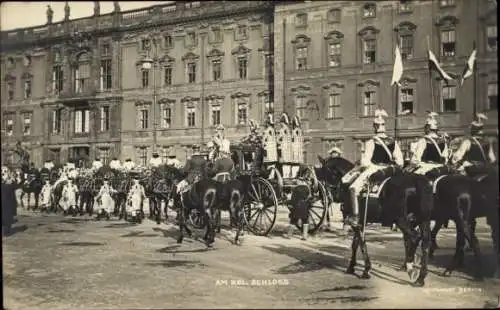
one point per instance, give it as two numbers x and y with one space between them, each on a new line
469 67
397 72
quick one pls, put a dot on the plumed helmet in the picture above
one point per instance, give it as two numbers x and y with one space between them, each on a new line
379 116
478 122
285 118
431 121
296 121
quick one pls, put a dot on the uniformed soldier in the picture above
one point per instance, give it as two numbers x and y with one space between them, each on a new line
334 152
285 145
156 160
431 151
270 145
297 146
196 168
380 152
222 168
129 165
473 151
97 164
115 164
172 160
48 164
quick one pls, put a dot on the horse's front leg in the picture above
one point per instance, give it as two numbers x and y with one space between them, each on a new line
240 216
37 200
182 223
366 257
433 236
354 250
211 218
470 235
425 231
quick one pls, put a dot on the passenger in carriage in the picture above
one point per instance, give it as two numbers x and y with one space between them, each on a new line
128 165
155 161
115 164
270 146
223 145
472 151
285 145
223 165
430 151
97 164
380 152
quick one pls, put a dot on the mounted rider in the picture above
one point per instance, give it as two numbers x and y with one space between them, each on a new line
155 161
97 164
270 145
380 152
297 145
129 165
285 145
430 151
24 156
223 145
472 151
196 168
223 164
115 164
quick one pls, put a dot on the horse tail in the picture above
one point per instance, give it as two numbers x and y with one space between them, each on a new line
235 200
209 198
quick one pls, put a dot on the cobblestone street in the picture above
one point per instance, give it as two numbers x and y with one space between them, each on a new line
54 262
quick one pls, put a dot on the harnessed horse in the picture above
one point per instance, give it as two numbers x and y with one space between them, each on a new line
396 197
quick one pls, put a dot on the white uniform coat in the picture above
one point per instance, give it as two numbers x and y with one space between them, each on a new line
129 165
48 165
46 195
115 164
73 173
463 149
106 201
173 162
369 167
156 162
297 146
270 144
135 197
418 151
285 143
96 164
69 196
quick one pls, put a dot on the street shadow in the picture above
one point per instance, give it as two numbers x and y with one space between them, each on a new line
120 225
138 234
343 288
75 221
15 230
176 263
174 234
172 249
82 244
60 230
340 299
468 271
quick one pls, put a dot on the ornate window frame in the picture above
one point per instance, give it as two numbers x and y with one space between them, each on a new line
301 20
139 106
405 7
368 86
238 99
164 104
27 77
301 41
408 83
191 58
442 96
27 60
329 90
301 107
191 104
166 45
214 102
215 55
239 52
167 62
365 34
403 29
10 63
448 23
191 39
10 84
334 16
266 102
213 37
334 37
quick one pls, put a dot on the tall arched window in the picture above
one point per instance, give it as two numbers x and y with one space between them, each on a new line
82 73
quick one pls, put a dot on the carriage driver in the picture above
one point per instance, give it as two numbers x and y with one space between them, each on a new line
472 151
196 168
380 152
223 165
156 160
430 151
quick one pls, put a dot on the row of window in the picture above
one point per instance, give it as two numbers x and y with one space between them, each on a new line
81 119
406 101
26 120
369 10
406 44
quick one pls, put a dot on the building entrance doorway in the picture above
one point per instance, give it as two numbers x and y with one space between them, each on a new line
80 156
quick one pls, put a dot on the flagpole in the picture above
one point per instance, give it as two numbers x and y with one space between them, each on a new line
474 68
396 110
430 74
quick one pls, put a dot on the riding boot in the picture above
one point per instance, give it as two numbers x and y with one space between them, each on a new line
353 220
305 231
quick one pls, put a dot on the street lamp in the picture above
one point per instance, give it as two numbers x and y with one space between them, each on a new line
147 64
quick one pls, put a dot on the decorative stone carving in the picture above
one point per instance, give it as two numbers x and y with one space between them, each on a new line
50 15
66 11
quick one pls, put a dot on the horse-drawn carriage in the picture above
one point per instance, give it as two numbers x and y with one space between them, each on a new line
264 195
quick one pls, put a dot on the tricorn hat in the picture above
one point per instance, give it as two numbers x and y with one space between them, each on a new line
478 122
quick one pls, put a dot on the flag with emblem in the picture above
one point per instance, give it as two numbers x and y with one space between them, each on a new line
434 65
397 71
469 66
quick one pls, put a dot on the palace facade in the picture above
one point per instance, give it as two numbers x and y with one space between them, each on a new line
161 78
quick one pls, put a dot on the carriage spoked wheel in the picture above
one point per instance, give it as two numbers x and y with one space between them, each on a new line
414 268
317 211
260 207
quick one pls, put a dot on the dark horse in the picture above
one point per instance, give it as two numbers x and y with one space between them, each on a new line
159 187
406 200
201 197
475 195
33 184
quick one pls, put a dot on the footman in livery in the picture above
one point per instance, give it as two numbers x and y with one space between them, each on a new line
270 146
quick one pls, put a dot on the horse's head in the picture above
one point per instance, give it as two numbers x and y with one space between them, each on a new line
332 169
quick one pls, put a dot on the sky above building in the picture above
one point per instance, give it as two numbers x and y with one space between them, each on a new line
22 14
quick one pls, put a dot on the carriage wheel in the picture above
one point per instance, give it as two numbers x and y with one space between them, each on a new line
196 220
317 211
261 207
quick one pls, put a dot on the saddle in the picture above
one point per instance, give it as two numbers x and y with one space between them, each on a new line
378 180
478 172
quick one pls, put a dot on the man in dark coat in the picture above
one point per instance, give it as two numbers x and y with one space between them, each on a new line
9 205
